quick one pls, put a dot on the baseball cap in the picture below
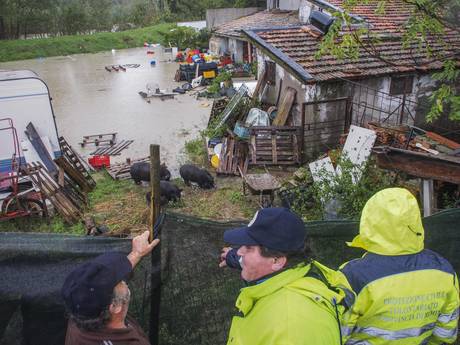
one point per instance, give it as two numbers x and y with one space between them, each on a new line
88 290
275 228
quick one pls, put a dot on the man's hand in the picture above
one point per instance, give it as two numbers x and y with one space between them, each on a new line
223 256
141 247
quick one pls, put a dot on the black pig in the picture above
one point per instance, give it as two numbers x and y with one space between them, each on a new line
191 173
141 172
168 192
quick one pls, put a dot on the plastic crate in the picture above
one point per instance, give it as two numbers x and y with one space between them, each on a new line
99 162
241 131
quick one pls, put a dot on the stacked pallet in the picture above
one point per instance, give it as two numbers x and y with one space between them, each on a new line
275 145
121 171
64 203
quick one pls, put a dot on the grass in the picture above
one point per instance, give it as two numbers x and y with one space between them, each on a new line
195 150
226 202
55 225
121 206
11 50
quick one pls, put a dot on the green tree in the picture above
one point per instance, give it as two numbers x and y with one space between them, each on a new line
428 23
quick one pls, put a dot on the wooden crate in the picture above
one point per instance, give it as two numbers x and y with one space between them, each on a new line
234 156
275 145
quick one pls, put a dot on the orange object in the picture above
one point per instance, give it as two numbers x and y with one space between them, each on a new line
442 140
99 162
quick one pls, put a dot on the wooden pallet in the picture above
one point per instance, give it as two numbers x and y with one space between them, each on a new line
97 139
75 175
113 150
233 156
273 145
55 193
120 171
75 161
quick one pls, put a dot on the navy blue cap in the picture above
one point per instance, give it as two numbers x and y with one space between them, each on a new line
275 228
88 290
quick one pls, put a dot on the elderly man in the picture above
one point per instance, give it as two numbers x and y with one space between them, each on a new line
405 294
289 298
97 298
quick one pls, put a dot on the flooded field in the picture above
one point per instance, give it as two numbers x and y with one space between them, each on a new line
89 100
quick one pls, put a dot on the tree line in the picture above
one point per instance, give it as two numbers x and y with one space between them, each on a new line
44 18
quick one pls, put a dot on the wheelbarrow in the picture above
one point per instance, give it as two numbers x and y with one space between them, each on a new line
264 185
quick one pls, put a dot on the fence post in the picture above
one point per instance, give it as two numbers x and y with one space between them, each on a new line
156 254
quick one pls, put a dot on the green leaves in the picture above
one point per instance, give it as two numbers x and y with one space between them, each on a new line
424 32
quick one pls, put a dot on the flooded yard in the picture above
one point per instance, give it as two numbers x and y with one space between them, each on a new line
87 100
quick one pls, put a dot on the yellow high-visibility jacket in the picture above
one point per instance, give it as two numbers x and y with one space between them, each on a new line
290 308
406 295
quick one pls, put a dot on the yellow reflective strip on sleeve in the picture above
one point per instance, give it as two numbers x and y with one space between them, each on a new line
395 335
446 318
445 333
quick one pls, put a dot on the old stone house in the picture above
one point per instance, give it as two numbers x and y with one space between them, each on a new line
331 94
228 37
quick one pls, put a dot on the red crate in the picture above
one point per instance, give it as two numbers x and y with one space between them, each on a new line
99 162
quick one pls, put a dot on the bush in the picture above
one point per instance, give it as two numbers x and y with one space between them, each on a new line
338 196
185 37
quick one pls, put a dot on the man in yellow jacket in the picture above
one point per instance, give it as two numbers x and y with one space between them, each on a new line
405 294
290 299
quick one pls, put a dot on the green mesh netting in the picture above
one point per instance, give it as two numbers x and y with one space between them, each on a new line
33 268
197 301
197 297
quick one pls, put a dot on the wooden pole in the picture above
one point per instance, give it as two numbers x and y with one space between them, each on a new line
156 254
155 186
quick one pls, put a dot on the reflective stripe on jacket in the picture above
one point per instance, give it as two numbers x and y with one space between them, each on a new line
405 294
289 308
406 299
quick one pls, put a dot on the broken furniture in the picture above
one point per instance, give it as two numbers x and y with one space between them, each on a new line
233 156
271 145
264 185
113 150
98 139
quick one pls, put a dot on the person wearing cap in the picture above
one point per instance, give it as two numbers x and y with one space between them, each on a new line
289 298
97 297
405 294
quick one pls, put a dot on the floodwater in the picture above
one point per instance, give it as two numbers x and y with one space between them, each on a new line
89 100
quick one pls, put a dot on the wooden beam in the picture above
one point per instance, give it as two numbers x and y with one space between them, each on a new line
416 165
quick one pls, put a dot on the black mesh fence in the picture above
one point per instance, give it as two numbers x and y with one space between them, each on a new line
197 297
32 270
197 301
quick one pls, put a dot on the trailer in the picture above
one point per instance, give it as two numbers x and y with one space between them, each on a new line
25 99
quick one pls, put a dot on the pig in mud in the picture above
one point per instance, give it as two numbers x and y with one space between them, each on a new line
168 192
141 172
191 173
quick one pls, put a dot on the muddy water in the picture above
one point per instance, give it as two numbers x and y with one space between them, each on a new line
89 100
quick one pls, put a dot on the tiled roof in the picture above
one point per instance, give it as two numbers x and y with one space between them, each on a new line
299 45
391 21
259 20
